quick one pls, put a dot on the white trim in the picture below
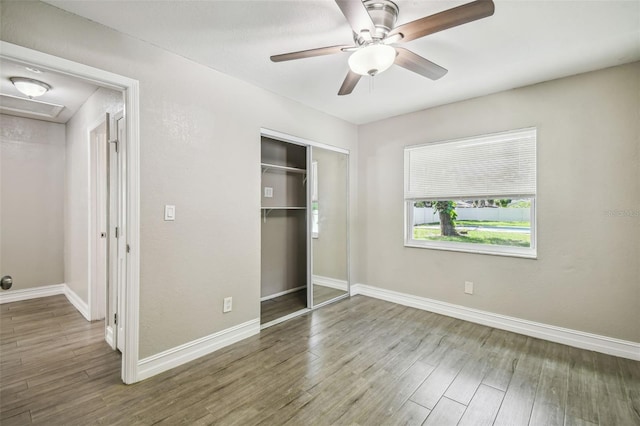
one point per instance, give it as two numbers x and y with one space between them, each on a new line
130 89
108 337
9 296
330 282
77 302
182 354
488 249
579 339
282 293
132 287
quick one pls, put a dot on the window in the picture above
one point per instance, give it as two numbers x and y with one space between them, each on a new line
476 194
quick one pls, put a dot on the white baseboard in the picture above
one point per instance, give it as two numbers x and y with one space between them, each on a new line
330 282
108 337
282 293
182 354
77 302
579 339
8 296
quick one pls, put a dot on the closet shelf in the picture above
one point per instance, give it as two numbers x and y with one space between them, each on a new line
267 210
267 166
283 208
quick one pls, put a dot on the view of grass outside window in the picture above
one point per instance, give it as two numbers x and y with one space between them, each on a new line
475 194
501 222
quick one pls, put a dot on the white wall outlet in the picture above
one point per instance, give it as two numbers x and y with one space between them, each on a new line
268 192
228 304
468 287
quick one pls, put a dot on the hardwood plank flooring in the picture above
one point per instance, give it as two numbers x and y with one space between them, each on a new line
283 305
322 294
359 361
289 303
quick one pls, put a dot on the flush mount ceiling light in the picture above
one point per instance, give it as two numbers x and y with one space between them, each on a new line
372 59
30 87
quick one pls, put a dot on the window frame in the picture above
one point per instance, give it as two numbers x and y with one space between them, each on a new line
530 252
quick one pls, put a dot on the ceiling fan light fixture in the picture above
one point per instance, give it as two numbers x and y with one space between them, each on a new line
30 87
372 59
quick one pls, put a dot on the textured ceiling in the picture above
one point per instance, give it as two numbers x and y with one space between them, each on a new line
524 42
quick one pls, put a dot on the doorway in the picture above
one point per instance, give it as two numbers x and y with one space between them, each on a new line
128 257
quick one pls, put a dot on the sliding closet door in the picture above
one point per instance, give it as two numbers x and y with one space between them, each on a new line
329 229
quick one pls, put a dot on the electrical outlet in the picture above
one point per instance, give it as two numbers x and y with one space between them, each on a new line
268 192
227 305
468 287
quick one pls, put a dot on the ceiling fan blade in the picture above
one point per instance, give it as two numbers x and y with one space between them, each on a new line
349 83
357 15
441 21
409 60
308 53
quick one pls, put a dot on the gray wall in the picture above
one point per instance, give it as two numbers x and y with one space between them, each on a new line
284 251
76 197
200 150
587 271
283 263
32 162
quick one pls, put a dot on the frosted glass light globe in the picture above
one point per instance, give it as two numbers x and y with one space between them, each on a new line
31 88
372 59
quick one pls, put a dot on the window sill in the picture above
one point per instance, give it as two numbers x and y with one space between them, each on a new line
482 249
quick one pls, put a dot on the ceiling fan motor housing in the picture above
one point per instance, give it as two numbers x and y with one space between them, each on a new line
383 14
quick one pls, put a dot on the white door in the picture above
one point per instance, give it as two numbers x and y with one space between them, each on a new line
122 239
116 235
99 202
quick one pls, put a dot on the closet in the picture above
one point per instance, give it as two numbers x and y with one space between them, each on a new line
304 226
284 265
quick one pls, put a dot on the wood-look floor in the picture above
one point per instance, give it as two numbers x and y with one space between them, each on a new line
283 305
293 302
359 361
323 294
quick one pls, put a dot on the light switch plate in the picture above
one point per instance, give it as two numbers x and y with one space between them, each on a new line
169 212
268 192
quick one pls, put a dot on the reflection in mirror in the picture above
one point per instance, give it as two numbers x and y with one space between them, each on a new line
329 202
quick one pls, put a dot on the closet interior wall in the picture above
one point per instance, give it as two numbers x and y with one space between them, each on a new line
284 218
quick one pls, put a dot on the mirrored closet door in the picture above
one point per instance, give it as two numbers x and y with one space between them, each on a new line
329 225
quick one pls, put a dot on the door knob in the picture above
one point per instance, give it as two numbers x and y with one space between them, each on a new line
6 282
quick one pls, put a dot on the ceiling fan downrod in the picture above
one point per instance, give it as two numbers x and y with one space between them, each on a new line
384 14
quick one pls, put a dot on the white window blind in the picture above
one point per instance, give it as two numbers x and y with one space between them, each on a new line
499 165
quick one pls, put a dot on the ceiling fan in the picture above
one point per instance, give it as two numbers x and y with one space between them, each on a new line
375 37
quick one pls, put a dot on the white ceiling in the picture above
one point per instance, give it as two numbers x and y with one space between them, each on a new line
69 92
524 42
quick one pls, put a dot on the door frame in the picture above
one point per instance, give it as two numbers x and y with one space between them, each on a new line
130 89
